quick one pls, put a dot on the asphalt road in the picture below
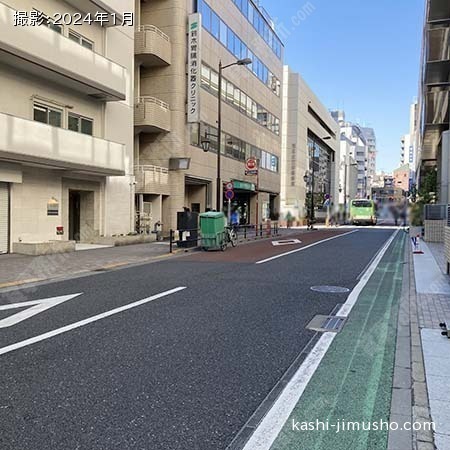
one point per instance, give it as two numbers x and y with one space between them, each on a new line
185 371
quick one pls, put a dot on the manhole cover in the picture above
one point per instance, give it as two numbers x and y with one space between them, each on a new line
330 289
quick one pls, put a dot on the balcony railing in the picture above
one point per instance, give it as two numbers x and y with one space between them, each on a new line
42 51
152 179
152 46
151 115
27 141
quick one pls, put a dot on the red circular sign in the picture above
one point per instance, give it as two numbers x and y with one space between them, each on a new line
250 164
229 195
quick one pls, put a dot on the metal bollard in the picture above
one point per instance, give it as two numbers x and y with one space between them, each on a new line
171 241
245 232
260 230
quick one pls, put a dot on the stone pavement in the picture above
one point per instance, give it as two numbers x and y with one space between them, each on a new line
17 269
433 307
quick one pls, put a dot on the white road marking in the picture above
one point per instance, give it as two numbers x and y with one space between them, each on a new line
271 425
286 242
84 322
35 307
304 248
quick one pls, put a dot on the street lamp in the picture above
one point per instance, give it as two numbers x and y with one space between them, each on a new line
308 178
240 62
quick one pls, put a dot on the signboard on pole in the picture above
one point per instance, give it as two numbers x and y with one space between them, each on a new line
251 166
194 68
229 195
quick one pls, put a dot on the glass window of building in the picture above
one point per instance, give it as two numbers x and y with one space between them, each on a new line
47 114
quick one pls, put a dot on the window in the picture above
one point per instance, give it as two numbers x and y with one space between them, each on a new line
223 33
47 114
206 16
215 25
80 124
81 40
206 74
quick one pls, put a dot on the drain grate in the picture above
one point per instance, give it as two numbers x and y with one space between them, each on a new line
330 289
323 324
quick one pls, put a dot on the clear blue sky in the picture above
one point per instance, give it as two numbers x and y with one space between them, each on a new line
359 55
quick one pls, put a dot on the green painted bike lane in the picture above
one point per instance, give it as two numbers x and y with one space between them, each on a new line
353 382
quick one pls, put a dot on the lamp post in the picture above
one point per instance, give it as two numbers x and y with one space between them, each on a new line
309 180
205 143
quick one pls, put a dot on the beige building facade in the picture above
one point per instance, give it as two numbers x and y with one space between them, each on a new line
311 142
66 121
172 170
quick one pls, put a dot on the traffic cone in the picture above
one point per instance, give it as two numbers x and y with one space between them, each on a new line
416 242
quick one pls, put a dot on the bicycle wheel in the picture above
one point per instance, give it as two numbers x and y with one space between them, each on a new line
233 238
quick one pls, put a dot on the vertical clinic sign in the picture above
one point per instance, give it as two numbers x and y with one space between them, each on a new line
194 67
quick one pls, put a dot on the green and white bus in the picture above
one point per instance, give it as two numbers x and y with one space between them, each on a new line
363 212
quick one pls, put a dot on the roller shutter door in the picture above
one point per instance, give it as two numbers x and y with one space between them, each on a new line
4 217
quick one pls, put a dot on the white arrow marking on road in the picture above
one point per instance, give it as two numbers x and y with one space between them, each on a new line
82 323
286 242
36 307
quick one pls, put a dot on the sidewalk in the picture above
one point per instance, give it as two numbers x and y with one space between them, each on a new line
17 269
433 307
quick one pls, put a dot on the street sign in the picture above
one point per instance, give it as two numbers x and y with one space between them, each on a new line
229 186
251 164
251 172
229 195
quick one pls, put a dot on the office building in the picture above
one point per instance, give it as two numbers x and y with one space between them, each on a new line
66 121
179 46
311 144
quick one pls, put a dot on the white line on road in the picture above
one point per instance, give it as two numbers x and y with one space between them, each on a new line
81 323
271 425
304 248
35 307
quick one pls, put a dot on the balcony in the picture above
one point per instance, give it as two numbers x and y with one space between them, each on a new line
57 59
152 47
151 115
152 180
30 142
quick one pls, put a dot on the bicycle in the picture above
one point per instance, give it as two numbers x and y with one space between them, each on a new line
230 237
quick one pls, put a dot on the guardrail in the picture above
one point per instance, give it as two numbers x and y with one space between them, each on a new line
244 232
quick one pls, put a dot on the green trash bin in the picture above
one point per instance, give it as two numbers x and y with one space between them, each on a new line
212 230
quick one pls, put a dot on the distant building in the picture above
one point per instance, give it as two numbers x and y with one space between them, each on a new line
402 177
363 150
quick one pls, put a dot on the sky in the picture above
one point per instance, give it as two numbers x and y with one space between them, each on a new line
362 56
